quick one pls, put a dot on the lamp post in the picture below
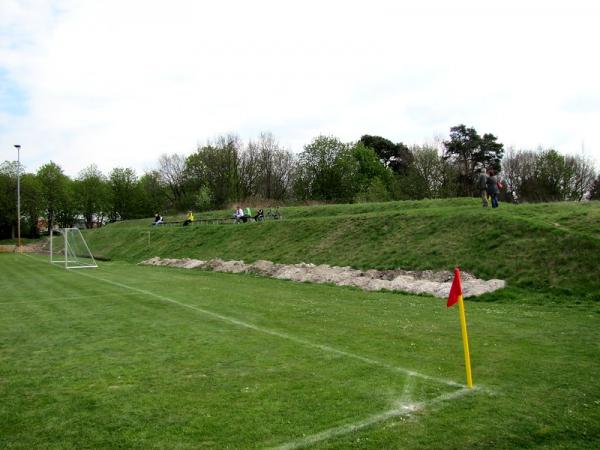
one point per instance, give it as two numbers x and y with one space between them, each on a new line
18 147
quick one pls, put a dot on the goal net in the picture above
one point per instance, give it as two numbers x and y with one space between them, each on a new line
68 247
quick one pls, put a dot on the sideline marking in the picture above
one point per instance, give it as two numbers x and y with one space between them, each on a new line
402 410
279 334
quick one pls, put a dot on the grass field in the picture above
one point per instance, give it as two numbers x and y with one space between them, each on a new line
151 357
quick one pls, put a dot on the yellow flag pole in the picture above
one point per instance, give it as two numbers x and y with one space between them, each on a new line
465 338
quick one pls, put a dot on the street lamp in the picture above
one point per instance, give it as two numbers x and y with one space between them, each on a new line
18 147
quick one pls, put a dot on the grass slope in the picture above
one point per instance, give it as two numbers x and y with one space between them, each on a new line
542 246
127 356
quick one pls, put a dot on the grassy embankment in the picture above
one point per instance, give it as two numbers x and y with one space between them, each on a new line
552 251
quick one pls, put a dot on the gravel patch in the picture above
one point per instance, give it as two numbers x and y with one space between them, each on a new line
419 282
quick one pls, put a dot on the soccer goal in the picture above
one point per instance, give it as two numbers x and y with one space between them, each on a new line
68 247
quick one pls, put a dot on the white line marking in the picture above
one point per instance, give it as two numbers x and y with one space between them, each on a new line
402 410
324 348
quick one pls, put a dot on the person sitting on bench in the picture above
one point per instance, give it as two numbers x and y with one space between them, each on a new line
158 220
239 215
259 216
189 219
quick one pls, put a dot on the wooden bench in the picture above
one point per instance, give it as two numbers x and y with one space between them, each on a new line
213 220
220 220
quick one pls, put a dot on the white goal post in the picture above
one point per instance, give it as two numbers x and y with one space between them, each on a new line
68 247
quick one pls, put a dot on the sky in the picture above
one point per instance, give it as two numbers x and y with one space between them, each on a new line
117 83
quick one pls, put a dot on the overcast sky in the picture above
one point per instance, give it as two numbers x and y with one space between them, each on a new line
119 82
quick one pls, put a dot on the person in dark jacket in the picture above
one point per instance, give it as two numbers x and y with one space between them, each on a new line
482 186
492 187
158 220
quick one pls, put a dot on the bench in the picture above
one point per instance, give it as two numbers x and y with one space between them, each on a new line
213 220
223 220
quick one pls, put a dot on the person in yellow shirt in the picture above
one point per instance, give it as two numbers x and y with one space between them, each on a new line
189 219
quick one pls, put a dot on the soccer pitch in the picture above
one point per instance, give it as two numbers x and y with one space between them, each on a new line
137 356
162 356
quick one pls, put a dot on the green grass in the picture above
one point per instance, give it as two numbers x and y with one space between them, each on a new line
128 356
551 247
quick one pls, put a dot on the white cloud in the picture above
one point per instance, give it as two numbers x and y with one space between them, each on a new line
117 83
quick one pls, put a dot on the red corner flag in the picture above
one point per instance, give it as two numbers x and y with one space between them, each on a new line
456 296
455 290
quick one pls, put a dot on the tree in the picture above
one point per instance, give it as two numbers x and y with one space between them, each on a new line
583 174
470 152
546 175
250 170
8 199
371 173
395 156
266 168
519 172
216 166
91 195
552 177
53 188
428 175
153 196
326 169
595 189
490 152
31 204
172 170
67 213
377 191
124 194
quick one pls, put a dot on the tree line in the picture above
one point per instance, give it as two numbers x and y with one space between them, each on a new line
260 172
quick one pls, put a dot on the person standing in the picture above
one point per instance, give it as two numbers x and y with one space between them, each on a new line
482 186
492 187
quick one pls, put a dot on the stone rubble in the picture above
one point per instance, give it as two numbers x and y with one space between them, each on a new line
419 282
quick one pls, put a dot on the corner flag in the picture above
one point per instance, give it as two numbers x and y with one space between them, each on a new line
455 290
456 296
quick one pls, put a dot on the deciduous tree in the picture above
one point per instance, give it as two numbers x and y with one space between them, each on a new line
55 197
470 152
395 156
92 195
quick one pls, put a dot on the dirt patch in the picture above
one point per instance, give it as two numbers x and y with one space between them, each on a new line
29 248
420 282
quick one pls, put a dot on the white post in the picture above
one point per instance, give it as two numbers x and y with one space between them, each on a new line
51 249
18 147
